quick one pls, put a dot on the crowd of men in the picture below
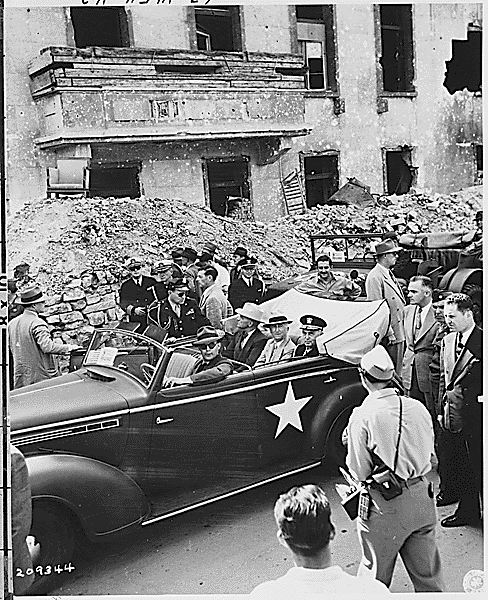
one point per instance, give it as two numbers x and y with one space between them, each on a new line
433 346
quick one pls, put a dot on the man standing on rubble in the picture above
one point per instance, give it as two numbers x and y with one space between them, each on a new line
381 284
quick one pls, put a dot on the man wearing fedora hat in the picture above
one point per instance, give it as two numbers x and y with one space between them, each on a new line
177 314
211 367
311 328
136 293
31 343
280 346
238 255
381 284
395 433
248 342
247 286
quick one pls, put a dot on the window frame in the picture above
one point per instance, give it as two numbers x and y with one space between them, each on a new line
315 154
236 20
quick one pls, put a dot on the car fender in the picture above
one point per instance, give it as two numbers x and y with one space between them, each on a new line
347 395
104 499
455 279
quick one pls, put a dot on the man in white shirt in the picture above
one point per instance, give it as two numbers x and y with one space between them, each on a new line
280 346
207 257
421 328
394 432
306 530
213 303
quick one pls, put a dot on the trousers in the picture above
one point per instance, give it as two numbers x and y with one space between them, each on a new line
402 526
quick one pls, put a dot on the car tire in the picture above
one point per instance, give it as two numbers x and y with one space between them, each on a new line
475 292
334 450
53 529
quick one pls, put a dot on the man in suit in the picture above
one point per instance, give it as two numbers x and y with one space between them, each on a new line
420 328
211 367
178 314
247 286
136 293
213 303
459 390
381 284
31 343
311 328
248 342
280 346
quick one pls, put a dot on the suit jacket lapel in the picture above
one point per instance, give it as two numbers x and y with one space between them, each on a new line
395 287
427 325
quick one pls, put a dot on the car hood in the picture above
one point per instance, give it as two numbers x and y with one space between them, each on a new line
65 398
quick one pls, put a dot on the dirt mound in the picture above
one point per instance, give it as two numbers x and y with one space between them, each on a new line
60 238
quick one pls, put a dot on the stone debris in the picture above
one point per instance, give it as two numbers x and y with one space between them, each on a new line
63 240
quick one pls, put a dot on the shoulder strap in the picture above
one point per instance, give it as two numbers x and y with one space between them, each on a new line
399 433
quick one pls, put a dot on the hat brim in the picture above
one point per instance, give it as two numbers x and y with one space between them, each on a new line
277 323
208 340
395 249
35 301
243 313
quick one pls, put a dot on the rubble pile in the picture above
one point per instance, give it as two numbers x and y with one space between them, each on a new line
61 238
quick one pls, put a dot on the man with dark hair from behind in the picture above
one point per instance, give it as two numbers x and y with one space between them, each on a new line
306 530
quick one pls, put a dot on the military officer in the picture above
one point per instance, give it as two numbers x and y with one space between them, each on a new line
136 293
247 286
178 314
311 328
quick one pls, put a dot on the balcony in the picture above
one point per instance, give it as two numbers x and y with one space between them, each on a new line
139 95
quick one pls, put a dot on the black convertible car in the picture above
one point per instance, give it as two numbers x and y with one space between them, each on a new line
108 449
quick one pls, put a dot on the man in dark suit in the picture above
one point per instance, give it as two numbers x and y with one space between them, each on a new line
248 342
420 329
135 294
459 390
178 314
247 286
311 328
381 284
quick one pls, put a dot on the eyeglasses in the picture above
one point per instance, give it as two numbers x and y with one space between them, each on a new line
209 346
180 294
134 268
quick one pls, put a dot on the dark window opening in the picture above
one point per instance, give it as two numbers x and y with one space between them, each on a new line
464 69
115 181
399 171
100 27
479 157
218 28
321 178
396 47
228 186
316 43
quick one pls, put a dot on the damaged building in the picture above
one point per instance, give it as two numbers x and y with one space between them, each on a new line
254 111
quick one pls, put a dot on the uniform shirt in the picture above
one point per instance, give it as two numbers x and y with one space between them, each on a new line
336 288
211 372
373 426
301 583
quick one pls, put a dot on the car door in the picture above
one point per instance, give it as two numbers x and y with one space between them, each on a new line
288 398
204 441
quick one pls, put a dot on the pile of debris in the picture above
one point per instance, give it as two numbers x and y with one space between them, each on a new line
60 238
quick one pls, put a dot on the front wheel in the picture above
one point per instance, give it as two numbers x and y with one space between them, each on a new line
53 529
335 450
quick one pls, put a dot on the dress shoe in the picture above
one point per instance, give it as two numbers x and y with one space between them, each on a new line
445 499
457 521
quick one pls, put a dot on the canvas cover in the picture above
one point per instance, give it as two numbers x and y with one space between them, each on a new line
353 328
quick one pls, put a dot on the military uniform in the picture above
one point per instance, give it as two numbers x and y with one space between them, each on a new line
186 323
136 294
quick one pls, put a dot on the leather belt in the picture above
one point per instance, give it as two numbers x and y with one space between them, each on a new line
408 482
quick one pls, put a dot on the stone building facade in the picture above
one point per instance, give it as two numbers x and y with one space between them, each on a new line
252 110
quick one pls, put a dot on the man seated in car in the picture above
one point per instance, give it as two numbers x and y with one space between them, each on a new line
311 328
211 367
280 346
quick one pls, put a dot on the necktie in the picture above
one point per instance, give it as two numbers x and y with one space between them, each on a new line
418 320
459 346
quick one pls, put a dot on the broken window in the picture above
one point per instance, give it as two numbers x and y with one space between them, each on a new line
321 178
228 186
117 181
97 26
396 47
464 68
218 28
316 43
399 171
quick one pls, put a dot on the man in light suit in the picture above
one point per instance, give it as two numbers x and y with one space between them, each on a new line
248 342
280 346
420 330
459 388
381 284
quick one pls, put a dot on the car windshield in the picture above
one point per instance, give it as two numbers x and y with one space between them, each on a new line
135 354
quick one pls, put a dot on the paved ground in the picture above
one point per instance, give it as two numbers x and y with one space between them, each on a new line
231 546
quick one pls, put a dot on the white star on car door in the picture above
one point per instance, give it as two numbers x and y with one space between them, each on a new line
288 411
